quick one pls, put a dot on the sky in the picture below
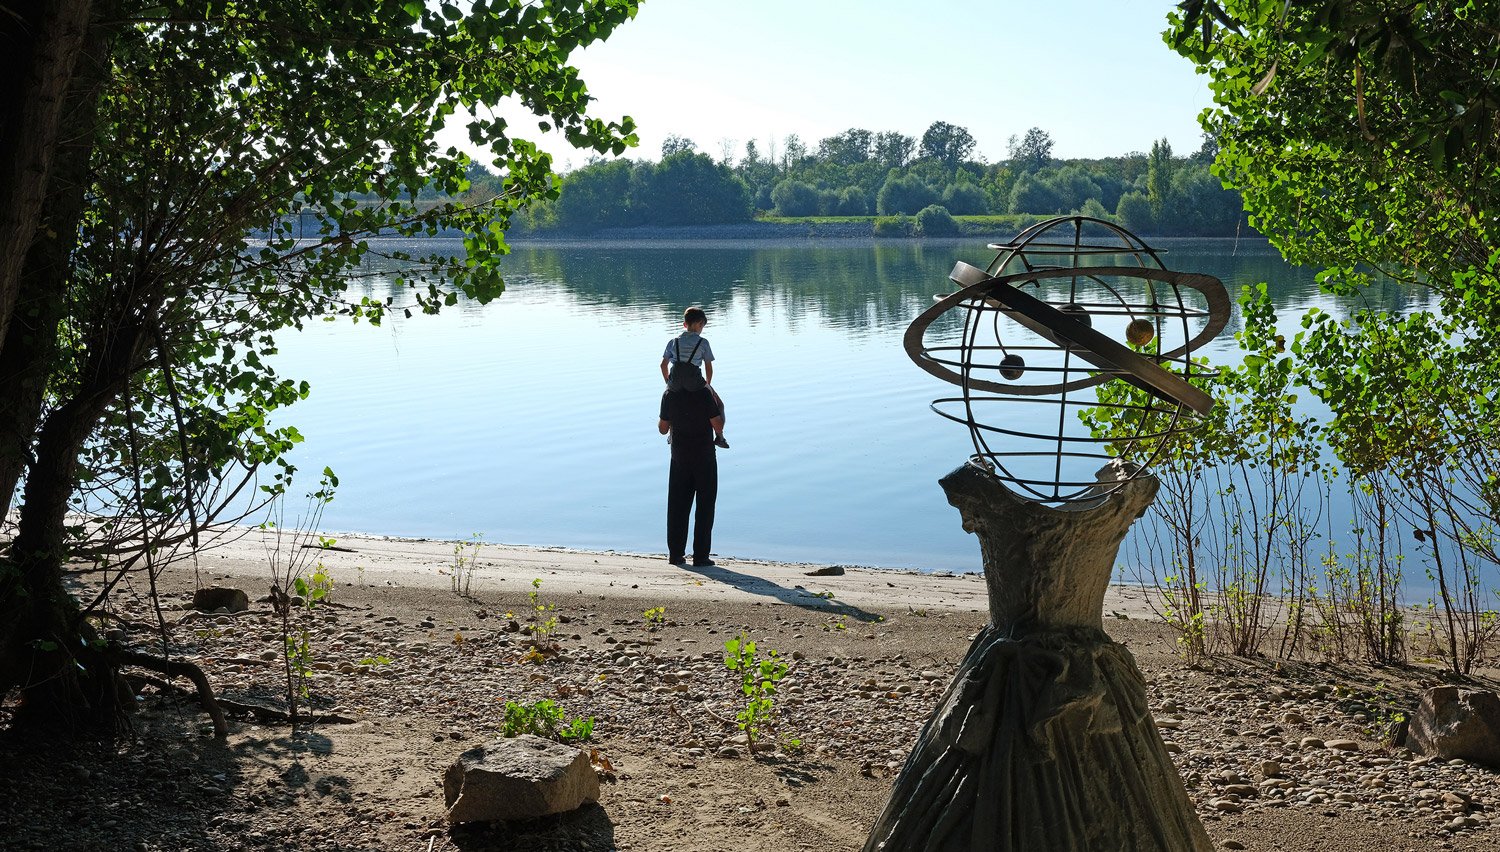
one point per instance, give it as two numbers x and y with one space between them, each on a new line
1094 74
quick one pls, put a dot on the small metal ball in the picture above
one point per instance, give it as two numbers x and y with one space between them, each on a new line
1012 366
1139 332
1076 312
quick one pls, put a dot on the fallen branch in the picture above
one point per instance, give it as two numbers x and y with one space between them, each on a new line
275 714
181 668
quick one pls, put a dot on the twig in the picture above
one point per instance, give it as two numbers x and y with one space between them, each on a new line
678 714
329 547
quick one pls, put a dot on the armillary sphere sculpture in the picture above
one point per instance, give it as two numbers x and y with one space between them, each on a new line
1036 342
1044 742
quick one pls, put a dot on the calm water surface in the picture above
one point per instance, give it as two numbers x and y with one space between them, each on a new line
532 420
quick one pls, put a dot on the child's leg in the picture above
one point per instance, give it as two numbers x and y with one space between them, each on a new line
718 422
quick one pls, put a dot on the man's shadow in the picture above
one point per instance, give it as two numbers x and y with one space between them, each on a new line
796 597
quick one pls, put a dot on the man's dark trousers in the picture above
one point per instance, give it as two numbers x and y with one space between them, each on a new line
694 476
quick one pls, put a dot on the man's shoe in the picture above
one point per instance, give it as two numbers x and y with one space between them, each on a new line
721 443
677 560
703 563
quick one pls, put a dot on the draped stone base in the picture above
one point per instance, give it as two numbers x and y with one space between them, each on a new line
1043 741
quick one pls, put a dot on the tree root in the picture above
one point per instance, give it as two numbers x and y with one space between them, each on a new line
273 714
182 668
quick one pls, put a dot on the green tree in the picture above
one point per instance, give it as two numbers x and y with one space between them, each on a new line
894 150
904 194
675 144
1159 169
847 148
965 199
1361 137
947 143
204 193
935 221
794 198
1032 152
1134 213
597 196
689 189
1034 194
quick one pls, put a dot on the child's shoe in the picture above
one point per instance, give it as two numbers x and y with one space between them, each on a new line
721 443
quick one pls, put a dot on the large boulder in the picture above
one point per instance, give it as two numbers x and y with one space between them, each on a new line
518 778
1452 722
214 598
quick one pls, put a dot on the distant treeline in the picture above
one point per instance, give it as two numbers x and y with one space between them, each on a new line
913 185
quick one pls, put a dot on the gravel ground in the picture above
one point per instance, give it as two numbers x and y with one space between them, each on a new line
1283 756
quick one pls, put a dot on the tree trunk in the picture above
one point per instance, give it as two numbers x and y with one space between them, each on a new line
1043 742
39 44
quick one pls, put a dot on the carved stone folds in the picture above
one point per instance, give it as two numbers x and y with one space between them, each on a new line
1043 742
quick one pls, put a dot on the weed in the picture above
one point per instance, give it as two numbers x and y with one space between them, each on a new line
758 679
544 719
465 560
655 617
543 623
375 661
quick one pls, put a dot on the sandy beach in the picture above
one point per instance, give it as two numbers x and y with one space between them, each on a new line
422 673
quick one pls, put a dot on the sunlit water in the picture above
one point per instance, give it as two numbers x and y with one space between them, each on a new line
532 420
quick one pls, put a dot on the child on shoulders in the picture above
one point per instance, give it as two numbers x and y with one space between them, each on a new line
687 366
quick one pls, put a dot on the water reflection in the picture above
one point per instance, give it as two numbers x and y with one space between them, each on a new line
531 419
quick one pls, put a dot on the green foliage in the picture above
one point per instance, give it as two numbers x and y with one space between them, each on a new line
966 199
1134 213
893 226
543 622
794 198
1032 152
853 202
935 221
948 144
904 194
758 679
655 617
465 560
1361 138
1159 176
544 719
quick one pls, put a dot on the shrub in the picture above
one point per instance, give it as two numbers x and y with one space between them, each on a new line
828 202
904 195
893 226
1134 212
794 198
853 202
965 199
936 221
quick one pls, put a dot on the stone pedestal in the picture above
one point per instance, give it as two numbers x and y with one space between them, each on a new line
1043 742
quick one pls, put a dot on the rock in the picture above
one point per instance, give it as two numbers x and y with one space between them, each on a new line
827 571
1311 742
729 751
1228 806
518 778
1270 768
1168 707
1450 722
1232 844
211 598
1342 745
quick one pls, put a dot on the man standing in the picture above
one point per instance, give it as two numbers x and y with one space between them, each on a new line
695 472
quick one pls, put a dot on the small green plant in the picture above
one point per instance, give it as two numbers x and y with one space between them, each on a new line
543 622
375 661
544 719
835 623
655 617
465 560
758 679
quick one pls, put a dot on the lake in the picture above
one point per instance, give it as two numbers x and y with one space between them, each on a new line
532 420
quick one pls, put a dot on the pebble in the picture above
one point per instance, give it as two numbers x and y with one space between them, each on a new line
1232 844
1270 768
1343 745
1311 742
729 751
